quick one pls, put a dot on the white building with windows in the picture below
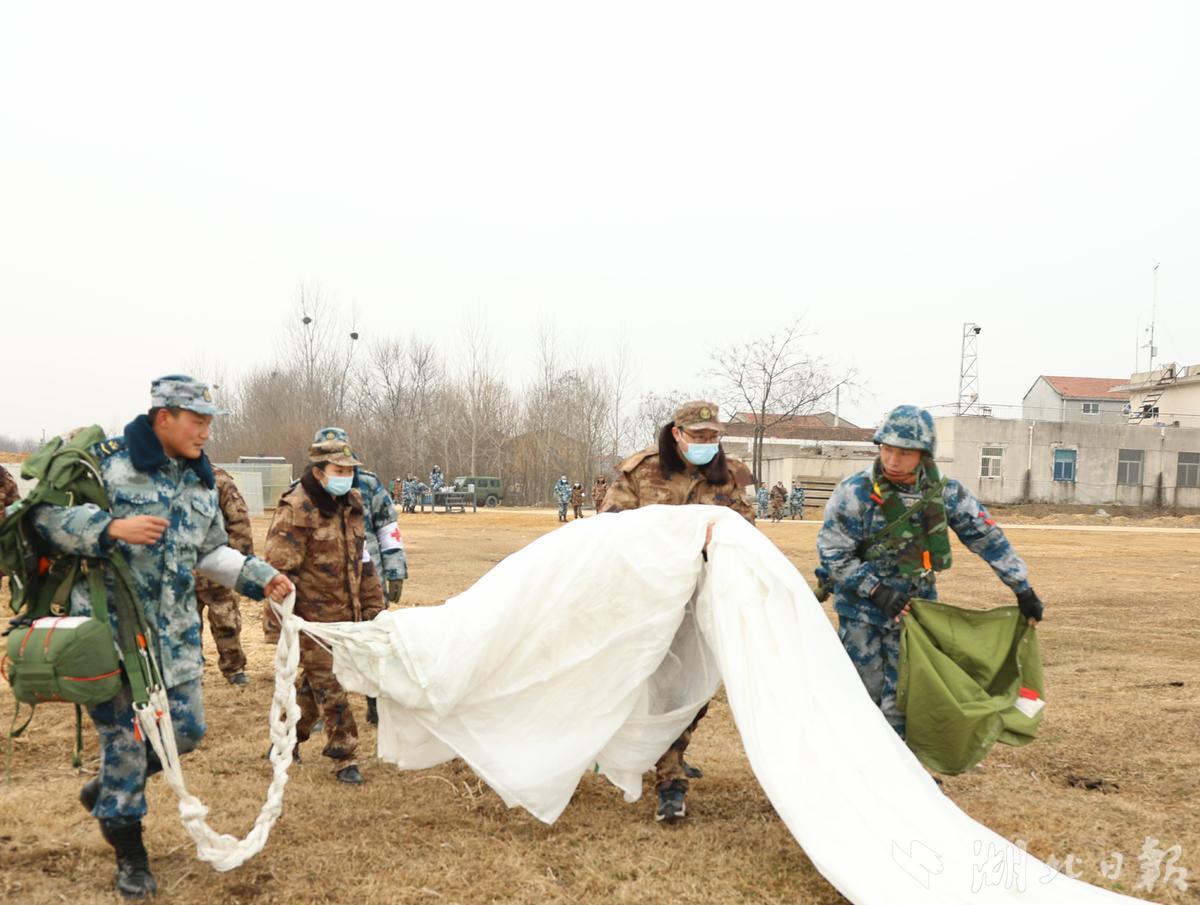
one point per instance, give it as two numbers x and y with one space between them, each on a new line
1169 396
1011 461
1088 400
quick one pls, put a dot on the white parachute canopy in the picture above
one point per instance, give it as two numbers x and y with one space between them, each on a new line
599 642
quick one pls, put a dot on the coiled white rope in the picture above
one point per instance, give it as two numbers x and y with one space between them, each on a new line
223 851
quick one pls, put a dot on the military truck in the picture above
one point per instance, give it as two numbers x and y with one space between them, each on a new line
489 491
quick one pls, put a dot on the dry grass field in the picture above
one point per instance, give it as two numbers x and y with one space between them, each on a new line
1118 761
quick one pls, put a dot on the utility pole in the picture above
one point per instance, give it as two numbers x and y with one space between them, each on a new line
1153 318
968 368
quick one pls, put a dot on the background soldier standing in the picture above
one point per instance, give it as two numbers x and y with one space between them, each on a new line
884 538
318 538
687 465
224 615
562 491
599 489
778 499
9 494
796 501
577 500
762 499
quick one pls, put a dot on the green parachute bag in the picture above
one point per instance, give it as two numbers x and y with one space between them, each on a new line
967 679
49 655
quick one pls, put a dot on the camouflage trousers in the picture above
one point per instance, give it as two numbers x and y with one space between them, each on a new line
562 511
127 760
670 766
578 511
777 511
225 623
761 510
319 694
875 652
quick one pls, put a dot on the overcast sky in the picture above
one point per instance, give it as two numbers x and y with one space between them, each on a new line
685 175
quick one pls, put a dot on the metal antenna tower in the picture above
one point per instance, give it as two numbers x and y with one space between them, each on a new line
968 368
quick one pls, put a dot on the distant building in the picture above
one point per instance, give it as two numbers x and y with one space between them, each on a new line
1089 400
1168 396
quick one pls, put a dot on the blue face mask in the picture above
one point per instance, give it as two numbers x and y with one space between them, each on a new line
701 453
338 486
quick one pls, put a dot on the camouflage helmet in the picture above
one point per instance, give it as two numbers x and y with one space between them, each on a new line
908 427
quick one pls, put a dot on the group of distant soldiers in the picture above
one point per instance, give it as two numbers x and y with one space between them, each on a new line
572 495
779 502
411 491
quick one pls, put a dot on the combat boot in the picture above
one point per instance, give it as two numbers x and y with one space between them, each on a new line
671 803
133 880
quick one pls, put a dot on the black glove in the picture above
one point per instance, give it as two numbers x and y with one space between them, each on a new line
891 601
1030 604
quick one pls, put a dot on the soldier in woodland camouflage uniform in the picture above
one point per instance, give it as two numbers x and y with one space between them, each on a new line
577 500
778 499
599 489
164 518
687 465
224 616
884 538
763 499
318 538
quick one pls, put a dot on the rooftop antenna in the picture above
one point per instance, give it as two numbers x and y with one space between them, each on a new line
968 368
1153 317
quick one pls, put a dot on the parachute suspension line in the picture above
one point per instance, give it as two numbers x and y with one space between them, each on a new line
223 851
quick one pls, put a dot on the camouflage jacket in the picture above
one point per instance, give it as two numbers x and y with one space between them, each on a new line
763 496
237 522
577 496
319 542
851 517
9 493
778 495
796 497
562 492
599 489
640 483
141 480
385 543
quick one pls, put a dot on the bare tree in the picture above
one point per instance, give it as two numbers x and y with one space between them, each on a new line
655 410
773 378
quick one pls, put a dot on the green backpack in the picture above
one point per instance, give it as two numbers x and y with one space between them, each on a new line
49 655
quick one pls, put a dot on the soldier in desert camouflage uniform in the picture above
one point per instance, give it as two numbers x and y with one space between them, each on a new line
778 499
164 519
884 539
599 489
687 465
9 494
318 538
224 616
577 500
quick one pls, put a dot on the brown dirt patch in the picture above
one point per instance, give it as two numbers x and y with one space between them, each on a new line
1120 636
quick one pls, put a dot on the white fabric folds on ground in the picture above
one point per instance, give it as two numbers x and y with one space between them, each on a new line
598 643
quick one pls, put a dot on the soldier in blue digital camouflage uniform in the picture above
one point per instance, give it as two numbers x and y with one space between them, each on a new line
562 492
884 538
409 489
166 520
762 499
436 479
796 501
